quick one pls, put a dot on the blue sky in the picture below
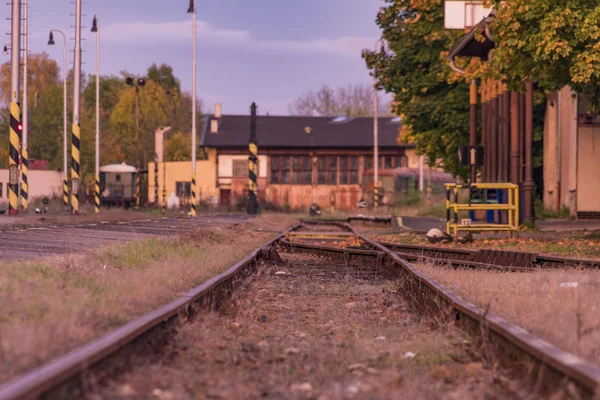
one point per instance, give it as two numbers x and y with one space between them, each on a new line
268 51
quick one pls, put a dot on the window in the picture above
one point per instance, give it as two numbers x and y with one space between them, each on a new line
327 171
301 170
240 168
183 189
403 162
118 178
349 170
388 162
280 170
1 190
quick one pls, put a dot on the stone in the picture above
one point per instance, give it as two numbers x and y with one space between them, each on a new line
356 366
301 387
350 305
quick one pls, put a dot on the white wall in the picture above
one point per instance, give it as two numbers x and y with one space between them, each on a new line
226 165
41 183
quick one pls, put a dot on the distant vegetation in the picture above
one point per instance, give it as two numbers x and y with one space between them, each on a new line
161 104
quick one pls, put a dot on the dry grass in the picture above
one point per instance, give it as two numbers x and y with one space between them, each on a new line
559 306
297 334
54 305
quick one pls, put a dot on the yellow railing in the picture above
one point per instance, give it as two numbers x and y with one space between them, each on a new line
453 207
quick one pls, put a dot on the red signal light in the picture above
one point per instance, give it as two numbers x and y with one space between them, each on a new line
20 127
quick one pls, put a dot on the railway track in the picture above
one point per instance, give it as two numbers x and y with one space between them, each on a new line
52 240
549 365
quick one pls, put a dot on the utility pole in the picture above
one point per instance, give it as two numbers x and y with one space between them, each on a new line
97 163
252 165
376 194
473 129
15 109
192 10
65 124
140 82
25 139
76 128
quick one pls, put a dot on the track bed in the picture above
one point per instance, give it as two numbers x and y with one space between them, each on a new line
313 328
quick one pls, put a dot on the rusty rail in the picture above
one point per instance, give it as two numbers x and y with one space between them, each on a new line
471 257
41 380
554 365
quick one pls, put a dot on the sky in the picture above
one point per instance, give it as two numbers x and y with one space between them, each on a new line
267 51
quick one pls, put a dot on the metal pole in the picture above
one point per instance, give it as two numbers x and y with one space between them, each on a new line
76 128
25 148
473 127
65 124
193 188
375 145
421 173
137 141
514 137
15 109
528 185
252 165
97 164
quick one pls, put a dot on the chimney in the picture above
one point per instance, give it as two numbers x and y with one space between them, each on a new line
159 139
218 113
214 125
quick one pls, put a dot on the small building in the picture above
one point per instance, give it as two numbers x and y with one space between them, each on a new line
176 177
571 175
302 160
42 183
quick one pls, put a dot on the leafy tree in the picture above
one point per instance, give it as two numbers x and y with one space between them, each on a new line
434 107
178 147
552 42
155 111
349 100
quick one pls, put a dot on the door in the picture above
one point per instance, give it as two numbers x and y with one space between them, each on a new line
225 195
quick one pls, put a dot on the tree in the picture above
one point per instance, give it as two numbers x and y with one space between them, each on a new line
178 147
434 106
155 111
552 42
349 100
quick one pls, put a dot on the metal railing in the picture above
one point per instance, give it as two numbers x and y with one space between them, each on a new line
504 215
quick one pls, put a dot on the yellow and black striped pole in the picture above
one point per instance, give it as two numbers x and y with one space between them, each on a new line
75 162
24 183
13 178
193 195
66 192
76 127
137 188
97 195
376 194
252 165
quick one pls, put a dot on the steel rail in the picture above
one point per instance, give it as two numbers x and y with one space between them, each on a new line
467 255
60 370
554 365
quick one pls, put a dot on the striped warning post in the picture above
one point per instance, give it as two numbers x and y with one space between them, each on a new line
66 191
24 182
138 199
193 195
156 184
376 196
13 153
97 195
75 160
252 176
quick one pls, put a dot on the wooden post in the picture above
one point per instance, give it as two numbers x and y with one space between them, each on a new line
528 185
514 137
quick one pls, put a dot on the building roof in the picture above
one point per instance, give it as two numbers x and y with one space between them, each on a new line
289 132
469 46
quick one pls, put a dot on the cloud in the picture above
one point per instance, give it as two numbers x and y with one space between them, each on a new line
208 35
